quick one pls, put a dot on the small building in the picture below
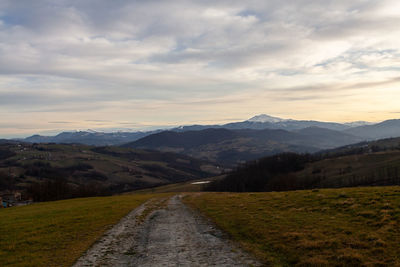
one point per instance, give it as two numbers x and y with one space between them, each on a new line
10 198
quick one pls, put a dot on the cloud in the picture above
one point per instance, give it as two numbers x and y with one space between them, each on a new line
67 57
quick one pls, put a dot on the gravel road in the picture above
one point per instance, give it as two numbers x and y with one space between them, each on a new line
171 235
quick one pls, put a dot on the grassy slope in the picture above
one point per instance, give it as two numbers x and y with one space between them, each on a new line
368 169
344 227
57 233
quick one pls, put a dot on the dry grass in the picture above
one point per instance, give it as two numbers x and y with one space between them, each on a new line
57 233
177 187
339 227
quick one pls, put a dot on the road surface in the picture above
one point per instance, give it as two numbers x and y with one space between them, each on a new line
171 235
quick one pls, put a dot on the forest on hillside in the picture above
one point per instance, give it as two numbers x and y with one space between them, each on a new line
365 164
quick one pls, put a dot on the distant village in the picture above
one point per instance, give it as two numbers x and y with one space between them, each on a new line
15 198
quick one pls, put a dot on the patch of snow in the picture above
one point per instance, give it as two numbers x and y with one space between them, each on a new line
265 118
357 123
202 182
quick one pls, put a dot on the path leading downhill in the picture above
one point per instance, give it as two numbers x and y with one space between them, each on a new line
170 236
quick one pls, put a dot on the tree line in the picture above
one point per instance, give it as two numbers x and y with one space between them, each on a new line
278 173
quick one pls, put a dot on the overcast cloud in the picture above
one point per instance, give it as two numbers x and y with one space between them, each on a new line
158 63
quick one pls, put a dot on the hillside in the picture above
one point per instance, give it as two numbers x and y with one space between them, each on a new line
387 144
94 170
386 129
291 171
236 146
328 227
56 233
88 138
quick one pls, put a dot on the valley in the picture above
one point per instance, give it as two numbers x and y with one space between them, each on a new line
56 171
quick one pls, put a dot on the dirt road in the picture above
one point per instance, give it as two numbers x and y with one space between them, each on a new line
172 235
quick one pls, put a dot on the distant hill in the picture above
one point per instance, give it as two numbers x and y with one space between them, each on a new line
6 141
291 171
114 169
89 138
386 129
187 139
234 146
256 124
387 144
264 121
237 142
362 129
325 138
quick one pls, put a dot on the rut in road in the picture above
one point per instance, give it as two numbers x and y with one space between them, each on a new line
170 236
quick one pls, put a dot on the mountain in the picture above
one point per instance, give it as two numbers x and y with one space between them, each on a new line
186 139
363 130
264 121
357 123
325 138
234 146
265 118
288 125
385 129
89 138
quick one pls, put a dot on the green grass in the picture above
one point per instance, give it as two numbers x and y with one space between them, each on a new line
57 233
335 227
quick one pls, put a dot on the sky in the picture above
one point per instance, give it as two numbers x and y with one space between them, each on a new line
114 65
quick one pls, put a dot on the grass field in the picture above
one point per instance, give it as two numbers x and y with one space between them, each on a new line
57 233
335 227
190 186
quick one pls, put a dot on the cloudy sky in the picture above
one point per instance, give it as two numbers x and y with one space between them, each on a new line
121 64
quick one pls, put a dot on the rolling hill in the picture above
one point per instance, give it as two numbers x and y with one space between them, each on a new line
385 129
88 138
364 164
109 169
235 146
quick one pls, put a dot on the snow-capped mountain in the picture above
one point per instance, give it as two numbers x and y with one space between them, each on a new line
265 118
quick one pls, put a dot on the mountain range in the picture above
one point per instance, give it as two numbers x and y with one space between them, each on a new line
89 138
229 146
236 142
